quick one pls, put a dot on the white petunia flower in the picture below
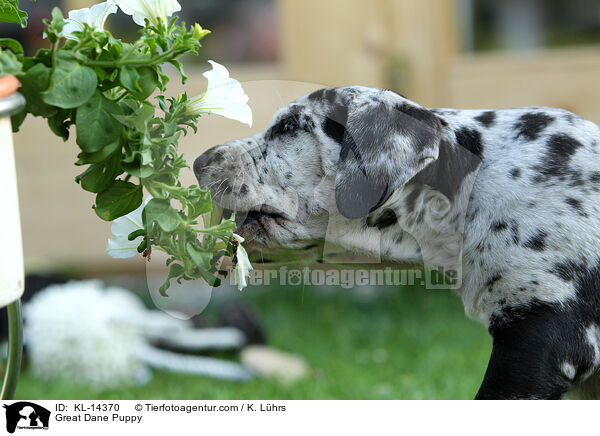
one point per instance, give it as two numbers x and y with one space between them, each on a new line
242 267
94 17
120 247
224 96
155 11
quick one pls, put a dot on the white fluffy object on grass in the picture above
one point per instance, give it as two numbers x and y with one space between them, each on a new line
89 334
76 331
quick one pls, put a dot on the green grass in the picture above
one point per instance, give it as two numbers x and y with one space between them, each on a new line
404 344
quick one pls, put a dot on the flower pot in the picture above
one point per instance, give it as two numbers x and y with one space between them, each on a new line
11 255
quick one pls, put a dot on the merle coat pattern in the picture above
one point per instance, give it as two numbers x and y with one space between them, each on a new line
508 198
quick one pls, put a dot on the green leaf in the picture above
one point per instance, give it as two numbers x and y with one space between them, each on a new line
17 119
99 156
199 204
11 44
179 67
139 119
160 211
136 234
175 271
210 278
71 84
201 258
118 200
140 82
33 83
100 176
136 169
9 64
58 20
59 124
96 127
224 229
10 13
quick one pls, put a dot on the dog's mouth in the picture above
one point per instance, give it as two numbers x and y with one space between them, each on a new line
255 224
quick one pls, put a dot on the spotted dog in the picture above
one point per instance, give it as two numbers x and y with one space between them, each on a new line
508 198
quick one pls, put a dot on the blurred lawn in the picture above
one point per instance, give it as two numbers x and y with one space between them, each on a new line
403 344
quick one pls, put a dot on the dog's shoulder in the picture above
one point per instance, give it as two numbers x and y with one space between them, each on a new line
534 204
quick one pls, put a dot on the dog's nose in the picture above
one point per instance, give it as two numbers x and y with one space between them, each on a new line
201 161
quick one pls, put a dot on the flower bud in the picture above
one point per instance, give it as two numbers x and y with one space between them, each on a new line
199 32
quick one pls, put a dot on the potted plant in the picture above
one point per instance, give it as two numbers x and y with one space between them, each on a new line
110 94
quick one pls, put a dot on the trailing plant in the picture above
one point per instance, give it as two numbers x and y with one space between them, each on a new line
100 88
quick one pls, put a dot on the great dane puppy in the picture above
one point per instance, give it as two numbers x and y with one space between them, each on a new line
505 201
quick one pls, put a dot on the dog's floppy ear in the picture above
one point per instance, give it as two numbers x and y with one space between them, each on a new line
386 141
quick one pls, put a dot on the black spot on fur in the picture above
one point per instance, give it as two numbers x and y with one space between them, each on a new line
334 130
386 218
567 270
288 175
537 242
576 205
498 226
515 173
244 189
514 229
334 124
595 177
218 157
328 95
470 139
576 178
493 279
487 118
555 163
287 126
226 187
308 124
531 125
569 118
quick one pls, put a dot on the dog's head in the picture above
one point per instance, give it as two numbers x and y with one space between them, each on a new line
340 151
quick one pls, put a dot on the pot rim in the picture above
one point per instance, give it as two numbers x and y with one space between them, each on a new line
11 104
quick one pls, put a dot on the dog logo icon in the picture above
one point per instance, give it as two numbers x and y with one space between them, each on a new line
26 415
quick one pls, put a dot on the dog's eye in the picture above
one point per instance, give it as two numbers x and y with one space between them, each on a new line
289 124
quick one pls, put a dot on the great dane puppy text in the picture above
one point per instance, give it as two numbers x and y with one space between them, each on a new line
505 199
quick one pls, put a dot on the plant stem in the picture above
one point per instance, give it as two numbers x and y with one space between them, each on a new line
141 62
